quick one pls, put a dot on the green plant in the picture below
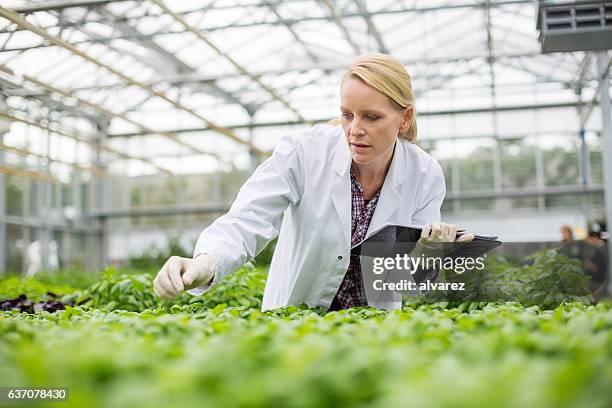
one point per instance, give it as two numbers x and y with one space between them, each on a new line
503 356
549 280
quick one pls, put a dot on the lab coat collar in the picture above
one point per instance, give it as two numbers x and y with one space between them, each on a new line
341 162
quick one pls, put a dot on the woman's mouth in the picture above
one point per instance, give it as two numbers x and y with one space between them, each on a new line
360 147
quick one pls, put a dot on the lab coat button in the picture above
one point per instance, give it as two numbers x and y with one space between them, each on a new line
339 257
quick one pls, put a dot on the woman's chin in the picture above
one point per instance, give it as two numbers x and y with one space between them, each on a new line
362 158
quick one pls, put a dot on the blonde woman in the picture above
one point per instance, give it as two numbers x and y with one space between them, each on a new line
334 185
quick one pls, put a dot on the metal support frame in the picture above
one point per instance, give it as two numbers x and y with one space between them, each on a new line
239 67
540 177
61 5
73 135
455 180
26 152
44 211
295 36
371 26
29 174
3 235
540 191
606 136
158 211
498 108
99 200
585 174
4 127
171 64
346 15
524 192
108 113
30 222
222 208
17 19
33 203
584 171
305 67
338 20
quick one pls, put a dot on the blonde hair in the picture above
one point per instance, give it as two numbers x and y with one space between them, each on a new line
388 76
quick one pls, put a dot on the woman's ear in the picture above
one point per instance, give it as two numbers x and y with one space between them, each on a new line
407 119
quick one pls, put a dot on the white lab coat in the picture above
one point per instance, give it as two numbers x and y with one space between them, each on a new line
307 179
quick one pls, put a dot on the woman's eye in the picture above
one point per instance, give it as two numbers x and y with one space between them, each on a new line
371 117
347 115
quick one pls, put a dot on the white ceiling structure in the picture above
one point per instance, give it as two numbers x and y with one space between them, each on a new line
169 86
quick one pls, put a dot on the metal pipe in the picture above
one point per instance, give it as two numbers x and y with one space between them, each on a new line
62 5
158 211
240 68
5 115
3 241
606 137
25 152
107 112
21 22
34 175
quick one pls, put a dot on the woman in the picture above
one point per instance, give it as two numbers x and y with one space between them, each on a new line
333 185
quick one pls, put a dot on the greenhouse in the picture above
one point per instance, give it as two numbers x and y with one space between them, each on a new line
229 203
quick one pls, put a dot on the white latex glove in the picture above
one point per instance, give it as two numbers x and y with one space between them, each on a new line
440 232
436 239
179 274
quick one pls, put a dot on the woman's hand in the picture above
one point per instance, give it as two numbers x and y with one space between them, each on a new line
179 274
440 232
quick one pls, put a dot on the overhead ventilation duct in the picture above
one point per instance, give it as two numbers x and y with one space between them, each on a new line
575 25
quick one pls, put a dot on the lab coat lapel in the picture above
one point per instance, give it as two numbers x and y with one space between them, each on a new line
390 197
341 186
389 200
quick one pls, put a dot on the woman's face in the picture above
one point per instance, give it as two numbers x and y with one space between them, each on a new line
370 121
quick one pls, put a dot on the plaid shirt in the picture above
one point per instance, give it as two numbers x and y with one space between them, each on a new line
351 292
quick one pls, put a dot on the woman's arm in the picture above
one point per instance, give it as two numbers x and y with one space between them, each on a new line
254 218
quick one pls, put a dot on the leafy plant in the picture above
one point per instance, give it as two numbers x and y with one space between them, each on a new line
503 356
33 288
134 292
549 280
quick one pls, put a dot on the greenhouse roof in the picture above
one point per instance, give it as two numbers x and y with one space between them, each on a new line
207 81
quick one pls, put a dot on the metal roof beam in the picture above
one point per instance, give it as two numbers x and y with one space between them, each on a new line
106 112
305 68
146 41
175 65
336 18
62 5
490 55
421 114
305 18
293 33
586 114
92 143
34 175
240 68
158 211
14 17
525 192
25 152
371 26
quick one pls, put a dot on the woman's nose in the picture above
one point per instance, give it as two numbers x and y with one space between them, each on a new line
356 129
